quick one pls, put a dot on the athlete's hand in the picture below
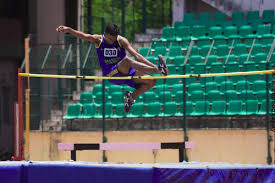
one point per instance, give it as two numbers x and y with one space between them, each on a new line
63 29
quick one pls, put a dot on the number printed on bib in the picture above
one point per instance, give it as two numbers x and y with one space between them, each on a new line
110 52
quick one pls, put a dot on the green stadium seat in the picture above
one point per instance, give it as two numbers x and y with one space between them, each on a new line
263 109
215 32
160 50
118 111
260 58
251 66
252 78
226 85
200 69
144 51
247 95
89 111
161 87
272 59
201 108
172 70
240 49
184 45
210 86
168 34
268 16
264 33
218 108
195 59
195 87
189 109
234 107
204 41
97 88
235 79
179 61
219 19
169 109
197 96
220 79
212 59
115 88
194 51
259 85
155 43
174 52
189 19
217 68
246 33
230 95
231 32
232 67
198 32
108 111
251 107
232 59
213 95
175 88
261 95
205 19
117 97
183 33
171 82
149 97
86 97
257 48
136 111
152 59
222 51
73 111
165 96
237 19
179 97
98 98
153 110
242 85
204 50
219 41
253 18
188 70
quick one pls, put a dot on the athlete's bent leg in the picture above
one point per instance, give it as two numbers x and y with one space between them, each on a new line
126 63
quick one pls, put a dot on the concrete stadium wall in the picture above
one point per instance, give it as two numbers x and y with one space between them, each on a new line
238 146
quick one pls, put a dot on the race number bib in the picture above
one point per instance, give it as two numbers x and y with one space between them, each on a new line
110 52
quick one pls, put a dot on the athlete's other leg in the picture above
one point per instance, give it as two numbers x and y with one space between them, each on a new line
142 85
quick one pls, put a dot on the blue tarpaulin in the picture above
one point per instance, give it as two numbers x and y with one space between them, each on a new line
82 172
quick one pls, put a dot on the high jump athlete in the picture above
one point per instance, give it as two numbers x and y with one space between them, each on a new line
111 50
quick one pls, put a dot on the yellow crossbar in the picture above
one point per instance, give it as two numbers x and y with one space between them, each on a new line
147 77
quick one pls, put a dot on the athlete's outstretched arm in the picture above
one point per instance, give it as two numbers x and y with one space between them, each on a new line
92 38
125 43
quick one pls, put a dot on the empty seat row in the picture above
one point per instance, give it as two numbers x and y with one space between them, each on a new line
233 107
237 18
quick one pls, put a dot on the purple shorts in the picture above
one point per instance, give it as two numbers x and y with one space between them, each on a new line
115 73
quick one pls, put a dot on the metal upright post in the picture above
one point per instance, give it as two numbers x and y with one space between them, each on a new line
123 17
144 15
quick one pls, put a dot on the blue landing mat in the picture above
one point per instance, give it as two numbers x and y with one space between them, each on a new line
82 172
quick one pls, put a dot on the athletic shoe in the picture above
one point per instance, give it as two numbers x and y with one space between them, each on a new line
162 66
128 101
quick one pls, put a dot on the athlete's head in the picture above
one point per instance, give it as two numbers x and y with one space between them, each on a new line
111 32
